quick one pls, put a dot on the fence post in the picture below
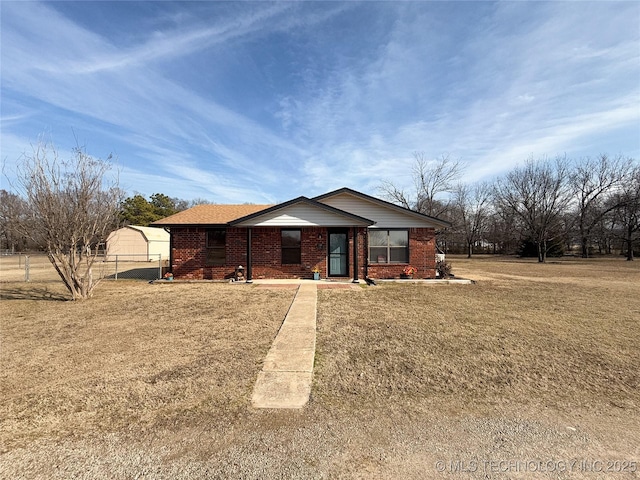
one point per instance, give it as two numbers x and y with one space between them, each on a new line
26 268
116 276
159 266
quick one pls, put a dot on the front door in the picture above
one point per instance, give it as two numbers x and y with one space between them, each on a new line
338 254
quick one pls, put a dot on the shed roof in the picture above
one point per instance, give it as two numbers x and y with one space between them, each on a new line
152 234
210 215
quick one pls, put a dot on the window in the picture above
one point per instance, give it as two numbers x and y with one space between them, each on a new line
388 246
291 247
216 247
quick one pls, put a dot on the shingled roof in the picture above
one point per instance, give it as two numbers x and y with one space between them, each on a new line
209 215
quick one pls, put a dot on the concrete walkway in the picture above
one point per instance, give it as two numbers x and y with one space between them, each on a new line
285 379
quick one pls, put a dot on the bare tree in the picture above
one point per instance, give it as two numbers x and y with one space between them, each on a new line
593 180
628 211
72 208
537 193
194 202
471 206
13 211
501 232
431 178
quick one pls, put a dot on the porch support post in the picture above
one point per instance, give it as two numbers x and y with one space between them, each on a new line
170 250
249 259
355 255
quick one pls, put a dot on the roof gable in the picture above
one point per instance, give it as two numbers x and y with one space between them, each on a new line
342 207
301 212
385 214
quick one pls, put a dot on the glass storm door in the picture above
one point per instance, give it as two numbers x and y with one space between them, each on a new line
338 257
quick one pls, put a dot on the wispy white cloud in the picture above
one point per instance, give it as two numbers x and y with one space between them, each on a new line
157 112
512 92
326 95
168 45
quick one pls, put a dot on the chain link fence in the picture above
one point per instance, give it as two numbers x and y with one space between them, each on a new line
26 267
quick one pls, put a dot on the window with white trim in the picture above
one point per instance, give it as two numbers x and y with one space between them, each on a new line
388 246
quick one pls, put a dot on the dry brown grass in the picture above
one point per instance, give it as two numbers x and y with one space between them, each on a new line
561 335
135 355
12 269
533 361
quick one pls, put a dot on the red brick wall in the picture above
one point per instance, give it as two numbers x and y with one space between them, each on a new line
189 254
361 232
422 255
267 256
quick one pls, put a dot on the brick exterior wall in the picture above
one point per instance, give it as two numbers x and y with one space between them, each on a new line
188 254
267 254
422 255
362 252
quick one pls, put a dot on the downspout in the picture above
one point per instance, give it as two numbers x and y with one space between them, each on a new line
249 259
355 255
168 230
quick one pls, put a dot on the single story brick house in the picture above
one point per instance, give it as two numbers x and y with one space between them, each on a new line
344 234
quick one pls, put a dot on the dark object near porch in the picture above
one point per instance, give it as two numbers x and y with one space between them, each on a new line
239 274
369 281
443 269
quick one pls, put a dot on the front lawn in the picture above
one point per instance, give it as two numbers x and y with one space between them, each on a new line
532 362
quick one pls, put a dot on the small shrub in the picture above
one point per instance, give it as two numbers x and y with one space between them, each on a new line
444 269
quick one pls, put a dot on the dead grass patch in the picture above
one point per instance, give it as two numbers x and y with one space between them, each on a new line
533 361
135 356
278 286
561 336
338 286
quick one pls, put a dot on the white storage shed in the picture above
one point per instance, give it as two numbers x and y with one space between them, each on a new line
135 243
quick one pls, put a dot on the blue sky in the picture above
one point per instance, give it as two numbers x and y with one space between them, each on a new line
261 102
